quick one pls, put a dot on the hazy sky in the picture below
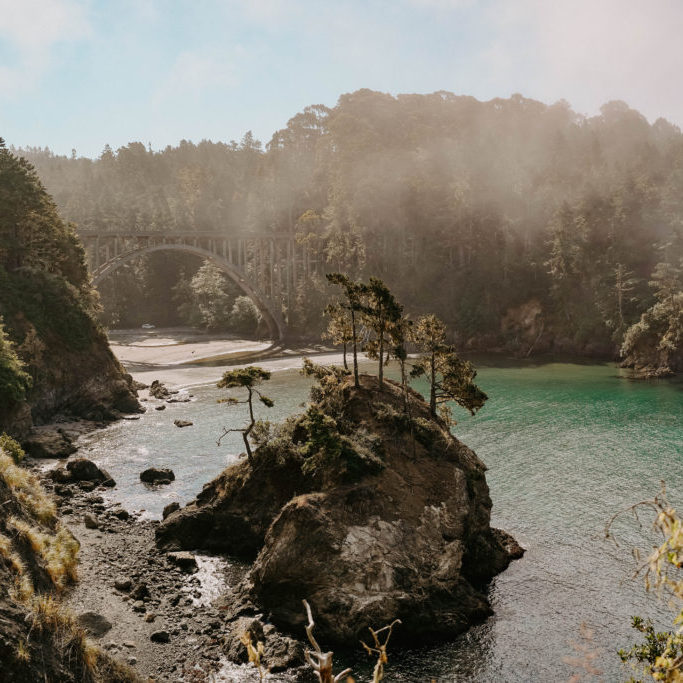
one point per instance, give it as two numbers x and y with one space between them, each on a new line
82 73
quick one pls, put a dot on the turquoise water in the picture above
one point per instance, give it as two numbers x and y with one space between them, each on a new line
567 445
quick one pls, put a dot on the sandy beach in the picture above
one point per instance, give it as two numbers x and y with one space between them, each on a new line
186 358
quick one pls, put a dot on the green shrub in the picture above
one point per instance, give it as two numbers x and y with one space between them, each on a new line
11 448
14 381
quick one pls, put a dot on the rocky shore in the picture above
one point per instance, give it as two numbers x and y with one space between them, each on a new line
170 616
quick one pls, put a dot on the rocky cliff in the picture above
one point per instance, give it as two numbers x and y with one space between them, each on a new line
364 505
54 357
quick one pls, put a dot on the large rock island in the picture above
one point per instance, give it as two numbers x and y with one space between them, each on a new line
367 507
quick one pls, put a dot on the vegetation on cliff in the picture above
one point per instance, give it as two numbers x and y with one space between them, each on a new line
53 354
654 345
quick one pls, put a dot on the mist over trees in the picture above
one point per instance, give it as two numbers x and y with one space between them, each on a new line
522 225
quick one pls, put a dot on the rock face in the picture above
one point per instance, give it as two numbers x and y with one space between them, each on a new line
48 443
407 539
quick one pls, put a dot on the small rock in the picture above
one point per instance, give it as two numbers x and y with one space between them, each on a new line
138 606
169 509
90 522
150 617
95 624
87 486
129 645
123 585
182 423
160 637
121 514
183 559
64 491
161 407
140 592
132 661
154 475
60 475
158 390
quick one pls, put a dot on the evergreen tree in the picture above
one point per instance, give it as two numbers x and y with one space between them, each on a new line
450 378
380 311
354 292
245 378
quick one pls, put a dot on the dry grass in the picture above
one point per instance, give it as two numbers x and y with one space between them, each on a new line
27 490
58 551
35 524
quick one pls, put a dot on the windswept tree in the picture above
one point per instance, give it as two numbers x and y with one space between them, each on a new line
354 294
246 378
450 378
401 333
339 330
381 312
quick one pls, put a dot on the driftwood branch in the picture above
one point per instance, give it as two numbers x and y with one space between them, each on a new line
319 661
380 649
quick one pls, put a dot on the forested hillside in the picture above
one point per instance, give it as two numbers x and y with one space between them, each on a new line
525 226
54 357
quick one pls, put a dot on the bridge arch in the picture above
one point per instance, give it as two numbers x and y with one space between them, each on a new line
268 309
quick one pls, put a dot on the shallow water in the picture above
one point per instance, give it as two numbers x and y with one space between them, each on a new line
567 445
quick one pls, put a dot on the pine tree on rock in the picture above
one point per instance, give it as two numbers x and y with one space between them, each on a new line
247 378
450 378
380 312
354 292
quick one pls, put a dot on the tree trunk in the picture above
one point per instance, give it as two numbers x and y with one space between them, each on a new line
380 375
432 387
356 381
346 365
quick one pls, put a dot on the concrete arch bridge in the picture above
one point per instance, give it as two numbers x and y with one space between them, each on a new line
267 268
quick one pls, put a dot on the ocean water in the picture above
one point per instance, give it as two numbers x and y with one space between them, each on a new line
567 445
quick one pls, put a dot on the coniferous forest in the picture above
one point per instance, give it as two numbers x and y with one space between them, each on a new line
527 227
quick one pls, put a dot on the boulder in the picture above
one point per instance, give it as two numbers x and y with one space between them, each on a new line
48 443
155 475
82 469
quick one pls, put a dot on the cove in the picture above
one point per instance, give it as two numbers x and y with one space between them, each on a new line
567 445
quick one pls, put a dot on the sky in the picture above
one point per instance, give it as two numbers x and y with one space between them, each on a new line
79 74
